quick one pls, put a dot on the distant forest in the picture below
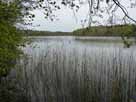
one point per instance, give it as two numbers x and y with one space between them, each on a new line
116 30
45 33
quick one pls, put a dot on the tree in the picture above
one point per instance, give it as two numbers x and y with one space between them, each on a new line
10 39
95 6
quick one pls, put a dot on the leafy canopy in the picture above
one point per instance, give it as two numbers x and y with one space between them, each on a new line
10 39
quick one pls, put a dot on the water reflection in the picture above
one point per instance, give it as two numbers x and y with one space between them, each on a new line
60 69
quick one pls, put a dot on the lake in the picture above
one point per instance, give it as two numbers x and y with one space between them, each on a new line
78 69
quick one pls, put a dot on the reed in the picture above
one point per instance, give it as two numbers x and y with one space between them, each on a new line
70 73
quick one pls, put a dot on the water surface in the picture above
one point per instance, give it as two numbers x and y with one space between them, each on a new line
79 69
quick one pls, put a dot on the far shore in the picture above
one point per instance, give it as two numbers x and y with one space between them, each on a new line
95 31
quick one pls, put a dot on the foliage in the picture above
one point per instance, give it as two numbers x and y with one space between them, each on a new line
9 42
117 30
10 39
10 91
95 8
10 12
45 33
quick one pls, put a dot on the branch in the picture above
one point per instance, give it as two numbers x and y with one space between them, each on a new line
126 14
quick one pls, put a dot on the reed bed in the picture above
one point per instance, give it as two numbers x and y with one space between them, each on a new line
66 71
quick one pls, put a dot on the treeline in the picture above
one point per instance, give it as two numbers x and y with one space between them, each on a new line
45 33
116 30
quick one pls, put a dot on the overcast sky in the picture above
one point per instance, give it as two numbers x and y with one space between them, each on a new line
68 22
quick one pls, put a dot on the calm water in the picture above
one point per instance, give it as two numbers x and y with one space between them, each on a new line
79 69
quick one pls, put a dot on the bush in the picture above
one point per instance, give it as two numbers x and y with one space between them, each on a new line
10 39
9 52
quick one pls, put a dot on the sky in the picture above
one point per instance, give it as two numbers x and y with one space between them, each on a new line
67 21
